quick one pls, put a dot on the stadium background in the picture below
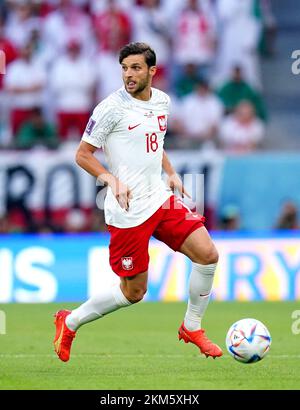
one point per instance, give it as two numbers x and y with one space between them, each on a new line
58 59
53 244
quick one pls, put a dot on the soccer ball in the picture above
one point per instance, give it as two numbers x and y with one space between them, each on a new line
248 340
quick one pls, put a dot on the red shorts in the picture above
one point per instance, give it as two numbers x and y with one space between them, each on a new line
172 223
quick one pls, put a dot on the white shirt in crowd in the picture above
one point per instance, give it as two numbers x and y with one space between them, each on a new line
59 30
201 112
151 26
23 74
19 31
108 74
131 133
72 82
238 41
237 137
194 38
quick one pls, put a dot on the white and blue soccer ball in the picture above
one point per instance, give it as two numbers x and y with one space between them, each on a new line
248 340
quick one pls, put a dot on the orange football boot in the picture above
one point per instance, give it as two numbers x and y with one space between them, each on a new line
200 339
64 336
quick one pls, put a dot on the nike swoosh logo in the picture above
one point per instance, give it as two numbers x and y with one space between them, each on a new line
57 344
132 127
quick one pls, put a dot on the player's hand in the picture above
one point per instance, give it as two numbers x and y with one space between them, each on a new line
175 183
122 194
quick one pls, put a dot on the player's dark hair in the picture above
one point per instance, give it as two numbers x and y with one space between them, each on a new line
138 48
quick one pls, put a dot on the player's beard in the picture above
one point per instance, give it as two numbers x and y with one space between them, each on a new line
140 86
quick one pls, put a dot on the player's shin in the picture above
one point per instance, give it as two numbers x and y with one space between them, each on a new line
200 285
96 307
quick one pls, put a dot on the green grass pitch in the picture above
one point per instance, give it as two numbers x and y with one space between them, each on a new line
137 348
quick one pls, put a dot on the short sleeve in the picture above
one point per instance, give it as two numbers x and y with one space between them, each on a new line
101 124
168 104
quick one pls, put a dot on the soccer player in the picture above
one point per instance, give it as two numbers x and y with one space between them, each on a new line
130 126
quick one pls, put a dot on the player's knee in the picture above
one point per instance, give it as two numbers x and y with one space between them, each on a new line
135 295
212 256
207 257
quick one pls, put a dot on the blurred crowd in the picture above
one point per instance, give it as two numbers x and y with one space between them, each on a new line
288 219
80 221
61 58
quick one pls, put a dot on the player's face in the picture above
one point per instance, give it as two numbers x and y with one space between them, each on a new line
137 76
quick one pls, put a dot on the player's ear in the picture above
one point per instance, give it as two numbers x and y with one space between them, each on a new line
153 70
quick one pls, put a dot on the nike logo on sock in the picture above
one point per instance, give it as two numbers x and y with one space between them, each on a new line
131 127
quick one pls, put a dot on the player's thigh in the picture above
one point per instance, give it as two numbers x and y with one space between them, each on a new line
128 250
199 247
177 223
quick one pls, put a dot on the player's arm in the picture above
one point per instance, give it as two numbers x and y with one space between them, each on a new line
85 159
174 180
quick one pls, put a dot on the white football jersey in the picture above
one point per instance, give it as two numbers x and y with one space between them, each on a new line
131 133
